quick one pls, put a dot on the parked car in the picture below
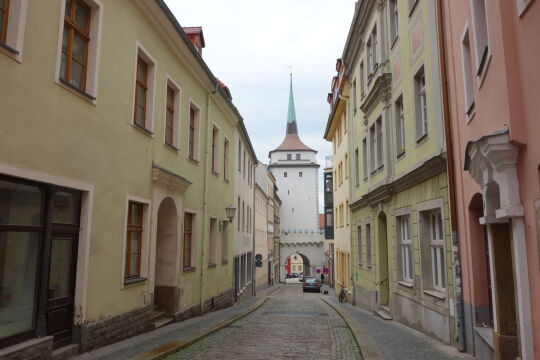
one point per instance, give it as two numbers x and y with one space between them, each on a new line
311 283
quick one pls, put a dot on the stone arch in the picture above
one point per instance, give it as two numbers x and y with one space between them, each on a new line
165 285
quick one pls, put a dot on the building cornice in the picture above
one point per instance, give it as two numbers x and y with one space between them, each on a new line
169 178
429 169
297 165
381 90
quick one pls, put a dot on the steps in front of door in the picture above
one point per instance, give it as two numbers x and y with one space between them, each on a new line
65 352
384 313
161 319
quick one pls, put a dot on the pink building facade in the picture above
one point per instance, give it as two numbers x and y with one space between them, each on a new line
492 57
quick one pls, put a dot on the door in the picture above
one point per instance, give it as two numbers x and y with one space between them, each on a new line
384 283
63 266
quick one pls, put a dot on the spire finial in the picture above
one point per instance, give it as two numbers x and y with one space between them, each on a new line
290 67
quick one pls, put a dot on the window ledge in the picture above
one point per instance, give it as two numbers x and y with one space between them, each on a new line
211 266
394 42
74 90
171 147
135 280
421 138
224 262
9 48
214 172
400 154
413 8
406 284
193 160
143 129
436 294
189 269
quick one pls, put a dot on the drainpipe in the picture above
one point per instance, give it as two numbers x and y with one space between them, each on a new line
451 182
351 153
253 270
205 196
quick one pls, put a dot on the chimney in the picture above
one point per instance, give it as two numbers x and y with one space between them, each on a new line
195 34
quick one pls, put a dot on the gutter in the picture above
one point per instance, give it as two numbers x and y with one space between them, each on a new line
460 320
211 77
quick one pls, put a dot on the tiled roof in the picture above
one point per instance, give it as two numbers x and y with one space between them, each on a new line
292 142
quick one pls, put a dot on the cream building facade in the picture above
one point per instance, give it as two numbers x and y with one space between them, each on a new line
121 174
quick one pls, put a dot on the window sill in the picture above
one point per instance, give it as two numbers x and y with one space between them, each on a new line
436 294
224 262
11 50
171 147
421 139
413 8
394 42
72 89
406 284
193 160
144 130
214 172
135 280
226 180
400 154
211 266
189 269
470 113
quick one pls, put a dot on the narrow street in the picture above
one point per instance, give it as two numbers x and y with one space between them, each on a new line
290 325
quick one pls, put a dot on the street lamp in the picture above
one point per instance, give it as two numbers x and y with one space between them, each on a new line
230 211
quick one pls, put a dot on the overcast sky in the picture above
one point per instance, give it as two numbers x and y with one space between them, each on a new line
249 46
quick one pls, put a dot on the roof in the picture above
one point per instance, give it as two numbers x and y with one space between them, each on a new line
194 31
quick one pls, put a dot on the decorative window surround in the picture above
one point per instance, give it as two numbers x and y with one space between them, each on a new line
176 113
150 88
90 91
492 160
14 35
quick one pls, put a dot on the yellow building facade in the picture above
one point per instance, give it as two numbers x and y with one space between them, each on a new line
116 166
401 240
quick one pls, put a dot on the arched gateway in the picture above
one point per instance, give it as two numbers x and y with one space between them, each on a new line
295 168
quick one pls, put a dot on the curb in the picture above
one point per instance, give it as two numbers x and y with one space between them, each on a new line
369 350
166 349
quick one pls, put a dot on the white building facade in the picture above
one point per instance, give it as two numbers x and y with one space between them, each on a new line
295 169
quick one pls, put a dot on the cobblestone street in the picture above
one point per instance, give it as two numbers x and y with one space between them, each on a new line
291 325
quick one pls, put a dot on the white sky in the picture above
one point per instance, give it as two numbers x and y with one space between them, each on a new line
249 46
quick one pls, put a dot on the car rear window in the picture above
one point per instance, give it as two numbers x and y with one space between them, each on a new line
311 280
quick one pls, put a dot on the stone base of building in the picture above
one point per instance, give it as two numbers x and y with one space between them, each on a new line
116 328
40 348
219 302
245 294
188 314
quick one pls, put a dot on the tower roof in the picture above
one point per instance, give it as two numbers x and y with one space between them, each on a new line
292 141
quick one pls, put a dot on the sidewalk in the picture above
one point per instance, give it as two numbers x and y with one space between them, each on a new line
157 343
391 339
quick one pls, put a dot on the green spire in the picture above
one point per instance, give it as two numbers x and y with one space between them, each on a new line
291 115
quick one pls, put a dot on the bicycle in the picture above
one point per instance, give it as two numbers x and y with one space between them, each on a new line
342 294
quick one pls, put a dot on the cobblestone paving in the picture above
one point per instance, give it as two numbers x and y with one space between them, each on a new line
291 325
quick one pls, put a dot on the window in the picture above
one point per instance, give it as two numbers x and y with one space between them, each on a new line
412 5
421 104
226 159
4 12
362 80
365 158
394 20
225 243
215 149
238 217
405 248
134 240
243 216
359 244
285 174
300 174
354 101
289 156
347 211
369 56
193 134
244 171
239 156
297 156
188 240
437 249
356 168
376 145
144 91
374 50
346 167
368 245
172 114
400 125
480 34
75 40
212 242
467 73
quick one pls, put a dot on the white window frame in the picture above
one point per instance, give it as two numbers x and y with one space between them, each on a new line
94 51
176 119
394 20
421 104
466 62
365 158
481 38
13 47
226 158
145 241
405 246
437 250
400 125
212 241
215 157
151 94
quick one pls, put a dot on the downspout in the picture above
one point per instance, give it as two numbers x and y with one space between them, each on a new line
460 321
351 154
253 270
205 196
